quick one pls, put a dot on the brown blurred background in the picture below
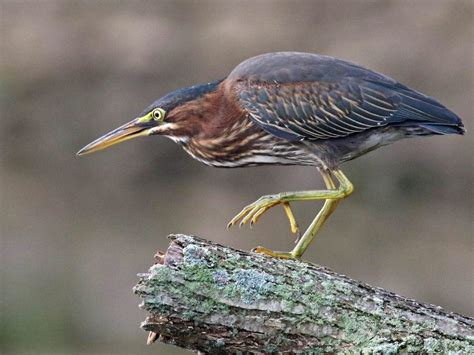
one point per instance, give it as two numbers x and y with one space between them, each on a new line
75 231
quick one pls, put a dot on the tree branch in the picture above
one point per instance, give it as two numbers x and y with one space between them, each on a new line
206 297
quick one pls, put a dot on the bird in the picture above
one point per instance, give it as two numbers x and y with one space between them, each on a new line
290 108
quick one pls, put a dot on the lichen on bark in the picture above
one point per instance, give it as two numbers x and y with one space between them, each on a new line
214 299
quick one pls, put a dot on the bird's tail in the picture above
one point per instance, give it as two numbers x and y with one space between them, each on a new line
425 116
444 128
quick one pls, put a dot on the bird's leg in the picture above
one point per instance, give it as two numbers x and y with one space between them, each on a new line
328 208
332 196
251 213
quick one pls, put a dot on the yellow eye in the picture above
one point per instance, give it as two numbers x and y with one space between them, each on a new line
158 114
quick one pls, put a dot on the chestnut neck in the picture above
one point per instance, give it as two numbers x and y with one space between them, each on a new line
206 117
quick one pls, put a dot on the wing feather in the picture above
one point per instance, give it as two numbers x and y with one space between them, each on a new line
320 111
315 110
300 96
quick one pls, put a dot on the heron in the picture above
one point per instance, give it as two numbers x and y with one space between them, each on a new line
290 108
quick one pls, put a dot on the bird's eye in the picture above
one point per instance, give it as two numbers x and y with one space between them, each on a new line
158 114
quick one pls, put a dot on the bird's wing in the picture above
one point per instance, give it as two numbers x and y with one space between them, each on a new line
300 96
317 110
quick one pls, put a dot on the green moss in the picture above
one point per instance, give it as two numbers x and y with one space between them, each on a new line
358 328
197 273
330 286
382 349
230 262
207 306
230 291
308 286
342 287
396 323
283 291
317 299
287 305
433 345
160 273
327 344
447 346
412 343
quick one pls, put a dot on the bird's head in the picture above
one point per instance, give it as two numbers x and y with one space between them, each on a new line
172 116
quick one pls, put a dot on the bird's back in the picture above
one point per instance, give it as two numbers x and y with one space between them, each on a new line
304 96
296 67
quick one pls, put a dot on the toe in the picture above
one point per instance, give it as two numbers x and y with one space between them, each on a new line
274 254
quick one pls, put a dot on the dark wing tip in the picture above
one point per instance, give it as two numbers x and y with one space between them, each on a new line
418 109
444 128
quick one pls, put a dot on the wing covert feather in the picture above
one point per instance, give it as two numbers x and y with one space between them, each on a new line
316 110
300 96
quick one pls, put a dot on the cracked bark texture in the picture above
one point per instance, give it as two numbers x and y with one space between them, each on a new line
213 299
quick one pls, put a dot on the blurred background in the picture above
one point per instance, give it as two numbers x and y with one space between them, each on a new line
75 231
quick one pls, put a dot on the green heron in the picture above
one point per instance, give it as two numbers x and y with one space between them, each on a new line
290 108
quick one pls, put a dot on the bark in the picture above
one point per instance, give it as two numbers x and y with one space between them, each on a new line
213 299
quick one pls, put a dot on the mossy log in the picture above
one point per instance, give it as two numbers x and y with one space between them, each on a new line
213 299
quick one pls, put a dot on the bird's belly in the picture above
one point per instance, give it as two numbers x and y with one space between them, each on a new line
353 146
270 150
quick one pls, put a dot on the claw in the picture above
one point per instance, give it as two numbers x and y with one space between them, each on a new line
249 215
298 236
241 214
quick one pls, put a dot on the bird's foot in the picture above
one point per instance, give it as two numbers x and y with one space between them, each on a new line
256 209
274 254
251 213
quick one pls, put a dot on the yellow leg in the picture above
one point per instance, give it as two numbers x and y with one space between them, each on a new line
332 196
328 208
264 203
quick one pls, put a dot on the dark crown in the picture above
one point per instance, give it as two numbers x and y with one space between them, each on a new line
180 96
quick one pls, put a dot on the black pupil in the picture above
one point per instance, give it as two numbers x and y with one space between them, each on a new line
157 114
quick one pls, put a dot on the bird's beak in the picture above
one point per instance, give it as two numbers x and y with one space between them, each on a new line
128 131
